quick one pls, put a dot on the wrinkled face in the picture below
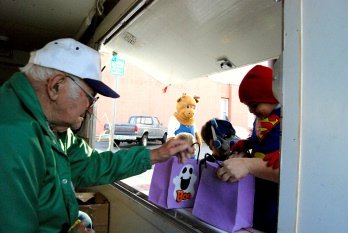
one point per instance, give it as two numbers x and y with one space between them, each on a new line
70 112
261 110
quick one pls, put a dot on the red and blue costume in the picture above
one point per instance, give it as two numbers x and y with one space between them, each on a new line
256 87
265 139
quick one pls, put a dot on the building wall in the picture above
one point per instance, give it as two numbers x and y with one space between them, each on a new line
141 94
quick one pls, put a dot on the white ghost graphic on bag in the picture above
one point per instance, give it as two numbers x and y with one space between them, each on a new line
184 184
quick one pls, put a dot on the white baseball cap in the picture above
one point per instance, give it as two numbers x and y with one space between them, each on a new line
73 57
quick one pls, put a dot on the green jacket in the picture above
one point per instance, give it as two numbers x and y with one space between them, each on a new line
40 170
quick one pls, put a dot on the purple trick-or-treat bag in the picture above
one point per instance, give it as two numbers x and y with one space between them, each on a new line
225 205
174 185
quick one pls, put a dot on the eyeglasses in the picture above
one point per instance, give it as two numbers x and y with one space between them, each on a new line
93 99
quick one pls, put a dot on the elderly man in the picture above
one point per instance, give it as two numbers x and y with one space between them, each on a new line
42 161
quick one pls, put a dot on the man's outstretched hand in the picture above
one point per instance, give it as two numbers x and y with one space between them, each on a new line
173 147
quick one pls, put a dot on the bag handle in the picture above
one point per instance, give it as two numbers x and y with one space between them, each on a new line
199 151
204 162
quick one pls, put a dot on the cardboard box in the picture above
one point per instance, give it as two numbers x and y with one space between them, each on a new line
97 207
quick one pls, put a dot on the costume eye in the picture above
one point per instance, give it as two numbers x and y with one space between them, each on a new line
191 170
184 170
191 106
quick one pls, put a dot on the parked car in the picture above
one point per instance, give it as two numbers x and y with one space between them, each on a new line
139 129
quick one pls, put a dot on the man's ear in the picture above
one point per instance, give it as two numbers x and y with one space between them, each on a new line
54 84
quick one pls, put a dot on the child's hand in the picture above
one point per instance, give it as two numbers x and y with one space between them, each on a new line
233 169
273 159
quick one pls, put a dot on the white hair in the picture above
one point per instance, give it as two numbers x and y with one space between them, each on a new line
41 73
